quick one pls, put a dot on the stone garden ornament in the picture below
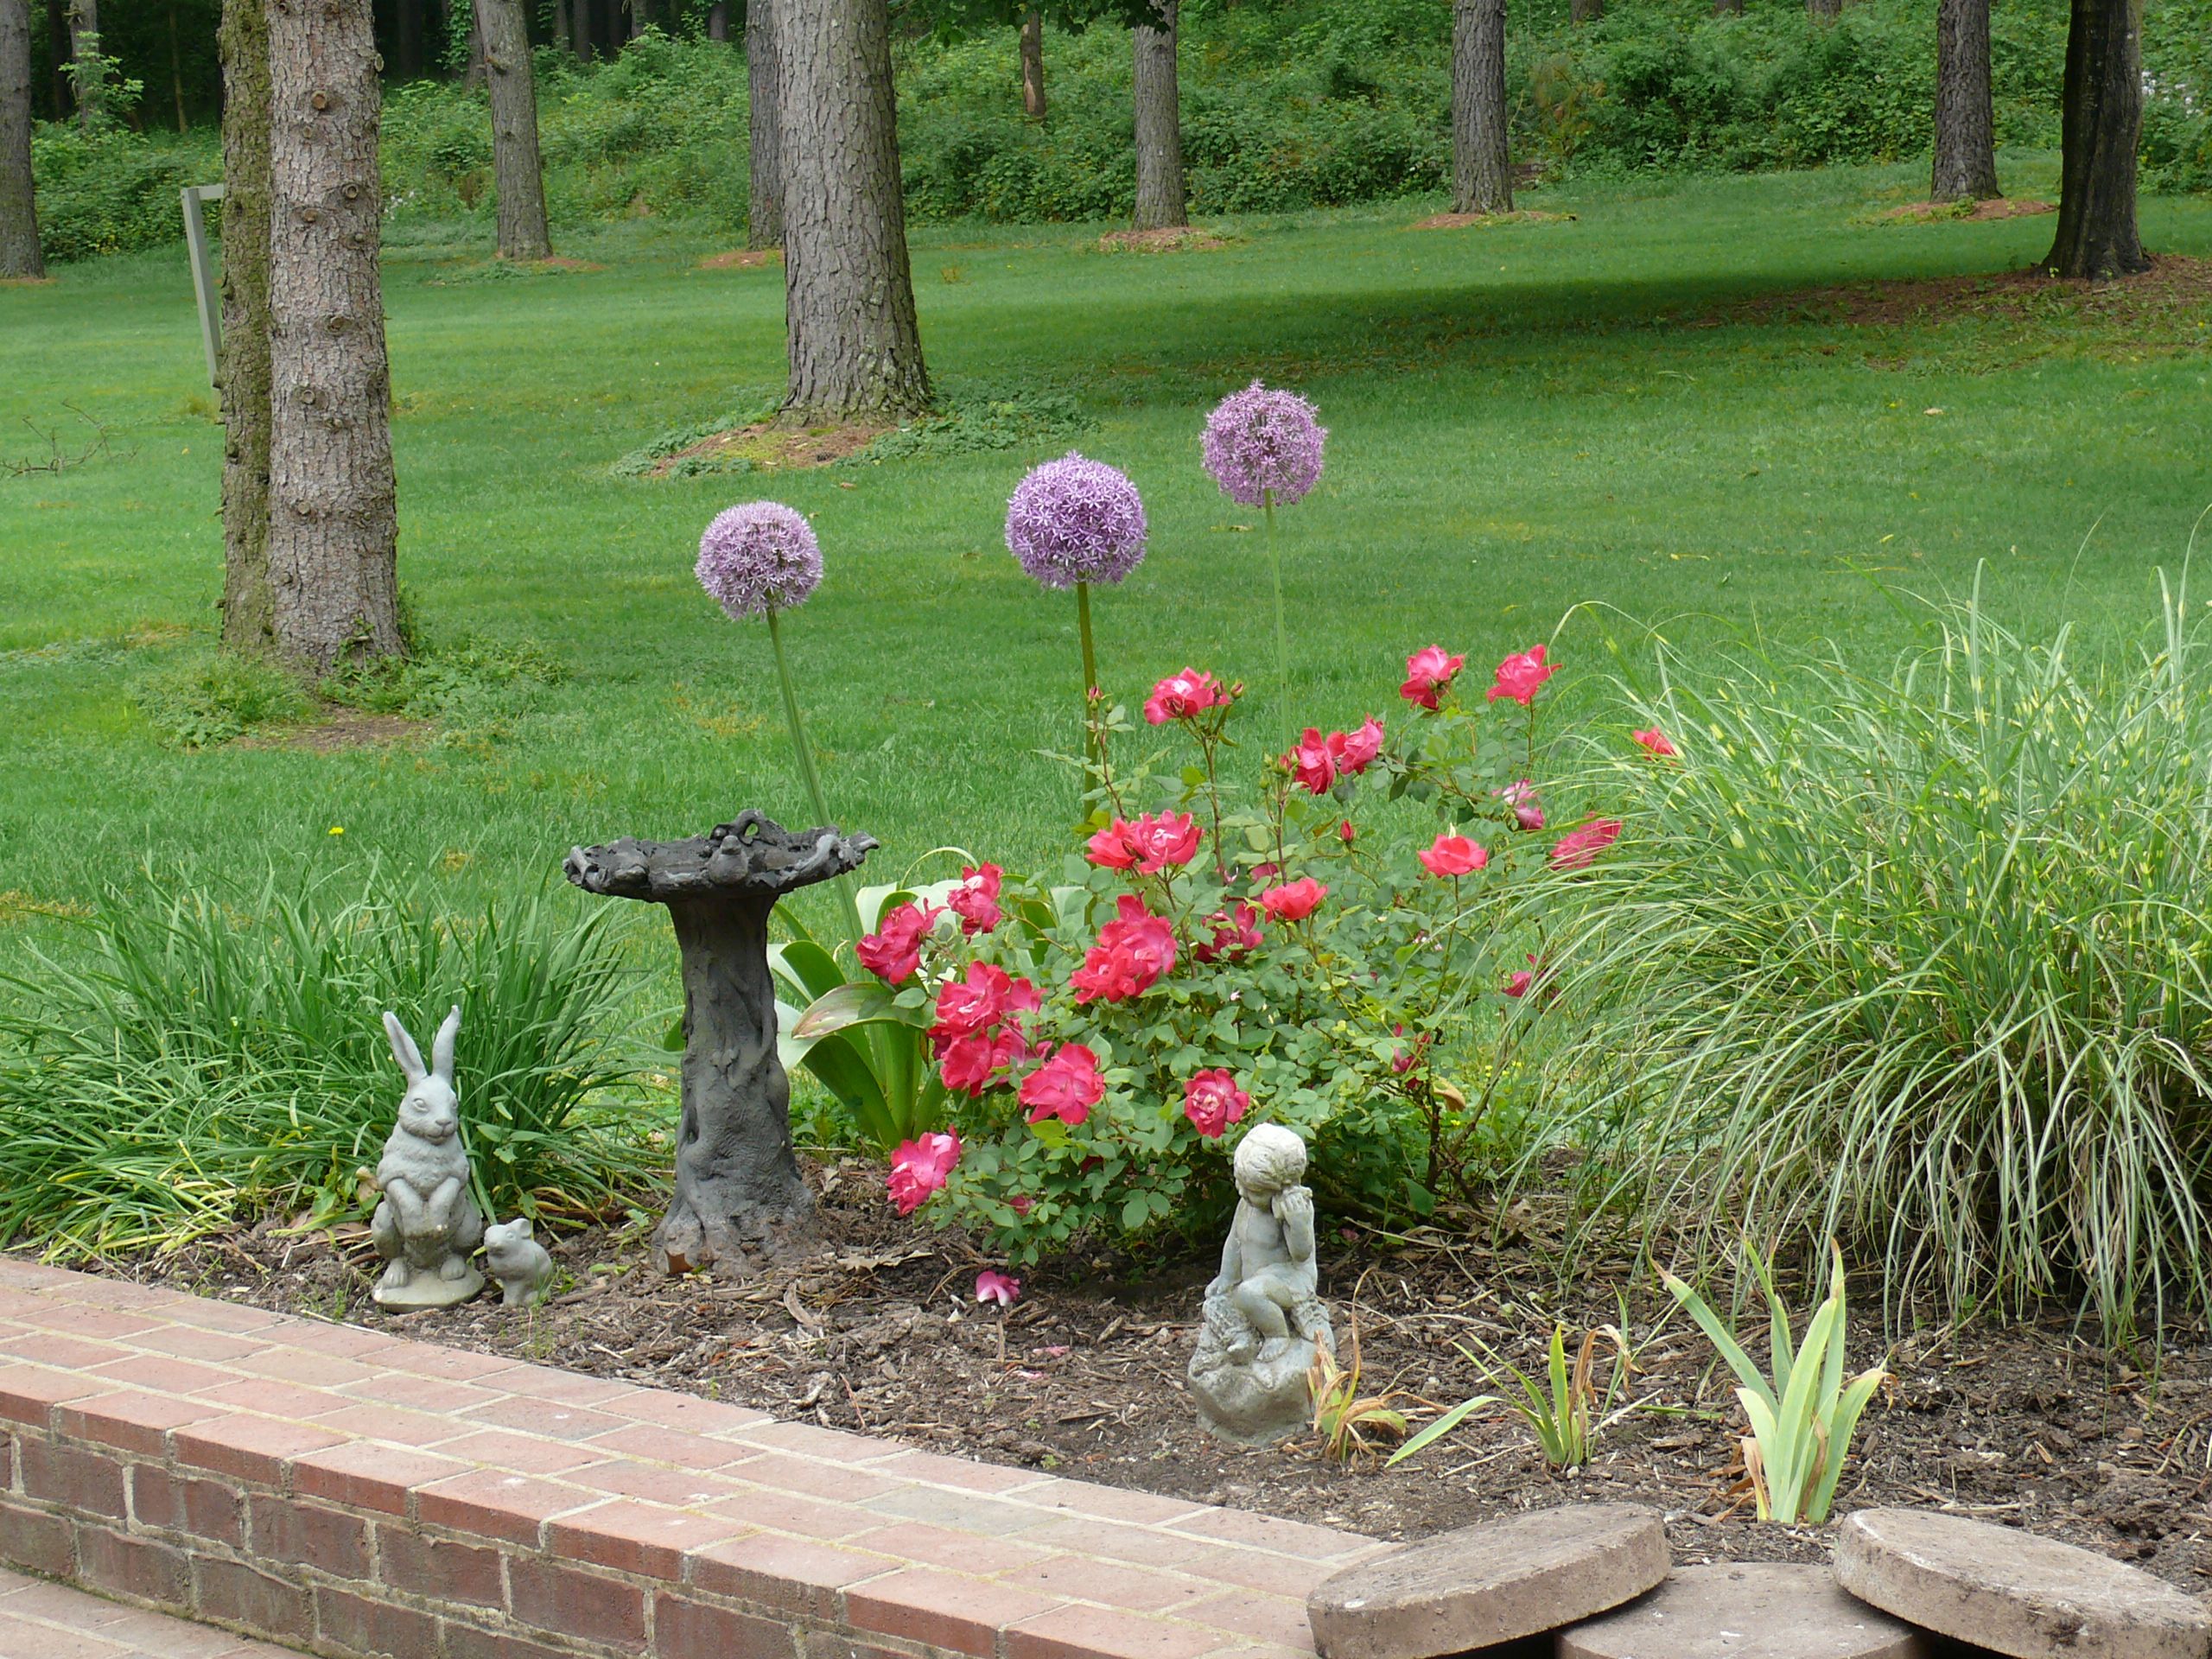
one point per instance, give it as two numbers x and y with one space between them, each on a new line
522 1265
427 1223
1264 1317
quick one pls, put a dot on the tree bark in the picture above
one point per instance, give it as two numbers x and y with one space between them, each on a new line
333 527
1825 11
2102 129
764 220
19 250
518 172
718 21
1032 64
848 292
58 102
243 366
1163 200
1966 117
85 52
1482 169
176 71
1727 8
407 37
1584 11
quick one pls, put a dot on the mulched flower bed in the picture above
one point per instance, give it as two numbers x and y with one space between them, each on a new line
878 1331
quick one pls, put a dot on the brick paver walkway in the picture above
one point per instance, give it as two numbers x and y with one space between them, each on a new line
39 1620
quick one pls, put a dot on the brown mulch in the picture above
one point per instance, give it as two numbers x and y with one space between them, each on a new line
1485 221
2175 284
1930 212
742 259
774 448
344 730
877 1330
1175 239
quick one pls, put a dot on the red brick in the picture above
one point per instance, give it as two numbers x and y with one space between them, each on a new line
646 1539
969 1476
206 1509
956 1552
1117 1585
93 1324
310 1534
130 1421
683 1627
496 1505
543 1382
427 1360
140 1568
673 1445
419 1393
190 1342
580 1606
1118 1542
249 1448
220 1316
836 1482
234 1594
942 1609
1264 1618
438 1569
786 1573
271 1398
29 1393
836 1644
88 1482
651 1483
34 1539
685 1411
339 1341
524 1453
1254 1569
555 1421
1111 1502
18 1274
367 1476
63 1353
471 1642
1103 1633
1270 1532
160 1374
391 1423
361 1626
833 1445
306 1367
785 1512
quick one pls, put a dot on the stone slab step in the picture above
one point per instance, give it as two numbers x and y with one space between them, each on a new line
1745 1611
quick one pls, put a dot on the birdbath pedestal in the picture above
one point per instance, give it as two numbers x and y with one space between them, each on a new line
738 1194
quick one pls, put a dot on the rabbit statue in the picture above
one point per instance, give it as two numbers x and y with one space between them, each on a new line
426 1224
519 1262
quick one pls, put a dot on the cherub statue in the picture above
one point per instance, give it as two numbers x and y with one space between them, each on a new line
426 1223
1264 1316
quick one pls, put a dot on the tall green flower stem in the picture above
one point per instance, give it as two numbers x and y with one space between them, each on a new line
1094 767
807 773
1282 637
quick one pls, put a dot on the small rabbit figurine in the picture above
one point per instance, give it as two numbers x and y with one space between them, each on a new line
518 1262
427 1224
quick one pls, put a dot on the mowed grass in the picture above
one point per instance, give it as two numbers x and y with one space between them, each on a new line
1525 420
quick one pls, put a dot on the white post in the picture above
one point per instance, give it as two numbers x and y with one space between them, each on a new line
203 272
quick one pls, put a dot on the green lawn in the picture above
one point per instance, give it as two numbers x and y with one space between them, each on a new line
1524 419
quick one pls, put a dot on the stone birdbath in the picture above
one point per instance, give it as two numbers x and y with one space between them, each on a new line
738 1194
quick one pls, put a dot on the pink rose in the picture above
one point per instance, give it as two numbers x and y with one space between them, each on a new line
1110 848
1212 1102
1310 763
1183 696
1527 811
1520 675
1534 977
1294 900
1235 932
995 1286
1134 951
975 901
1576 849
1656 741
1519 984
1354 751
1453 855
921 1168
1066 1086
894 951
1346 834
976 1001
1429 671
1160 839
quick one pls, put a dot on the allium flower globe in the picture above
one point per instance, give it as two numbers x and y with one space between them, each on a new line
1075 519
1259 442
757 556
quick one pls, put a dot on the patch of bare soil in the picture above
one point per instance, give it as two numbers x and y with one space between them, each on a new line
1930 212
878 1330
345 729
2176 286
775 448
1175 240
26 281
742 259
1485 221
557 262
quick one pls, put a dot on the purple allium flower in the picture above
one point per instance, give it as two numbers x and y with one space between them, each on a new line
1257 439
757 555
1076 520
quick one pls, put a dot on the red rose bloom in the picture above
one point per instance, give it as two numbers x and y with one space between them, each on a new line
1133 953
1183 696
980 999
1527 811
1212 1102
975 901
1066 1086
1575 849
1521 674
1110 848
1656 741
919 1167
894 951
1235 932
968 1064
1294 900
1354 751
1310 763
1453 855
1428 672
1160 839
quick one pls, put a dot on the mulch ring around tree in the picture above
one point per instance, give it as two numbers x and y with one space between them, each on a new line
770 447
1485 222
742 259
1937 213
877 1329
1172 239
2176 290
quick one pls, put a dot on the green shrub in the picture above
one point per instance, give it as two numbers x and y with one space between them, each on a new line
209 1058
1922 958
114 190
199 704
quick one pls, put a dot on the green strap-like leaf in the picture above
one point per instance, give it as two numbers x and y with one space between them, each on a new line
1720 1336
1842 1427
856 1004
1443 1425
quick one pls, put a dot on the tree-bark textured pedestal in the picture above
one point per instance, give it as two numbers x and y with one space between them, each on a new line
738 1194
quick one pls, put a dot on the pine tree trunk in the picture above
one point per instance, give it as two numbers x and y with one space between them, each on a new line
2100 132
333 528
518 172
1482 173
1727 8
848 292
473 77
564 35
19 250
176 71
1965 118
244 365
1162 200
85 52
764 226
1584 11
1032 64
1824 10
718 21
59 104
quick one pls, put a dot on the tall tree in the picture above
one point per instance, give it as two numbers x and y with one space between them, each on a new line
848 293
19 250
518 172
1481 172
91 68
1033 63
57 59
1825 11
764 220
1163 200
1965 116
407 35
1584 11
248 626
1727 8
333 524
718 21
2100 131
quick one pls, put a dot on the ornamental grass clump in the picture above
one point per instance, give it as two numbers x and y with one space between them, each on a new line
1922 959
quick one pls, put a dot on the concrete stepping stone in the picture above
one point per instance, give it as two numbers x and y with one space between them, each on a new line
1496 1582
2030 1596
1745 1609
